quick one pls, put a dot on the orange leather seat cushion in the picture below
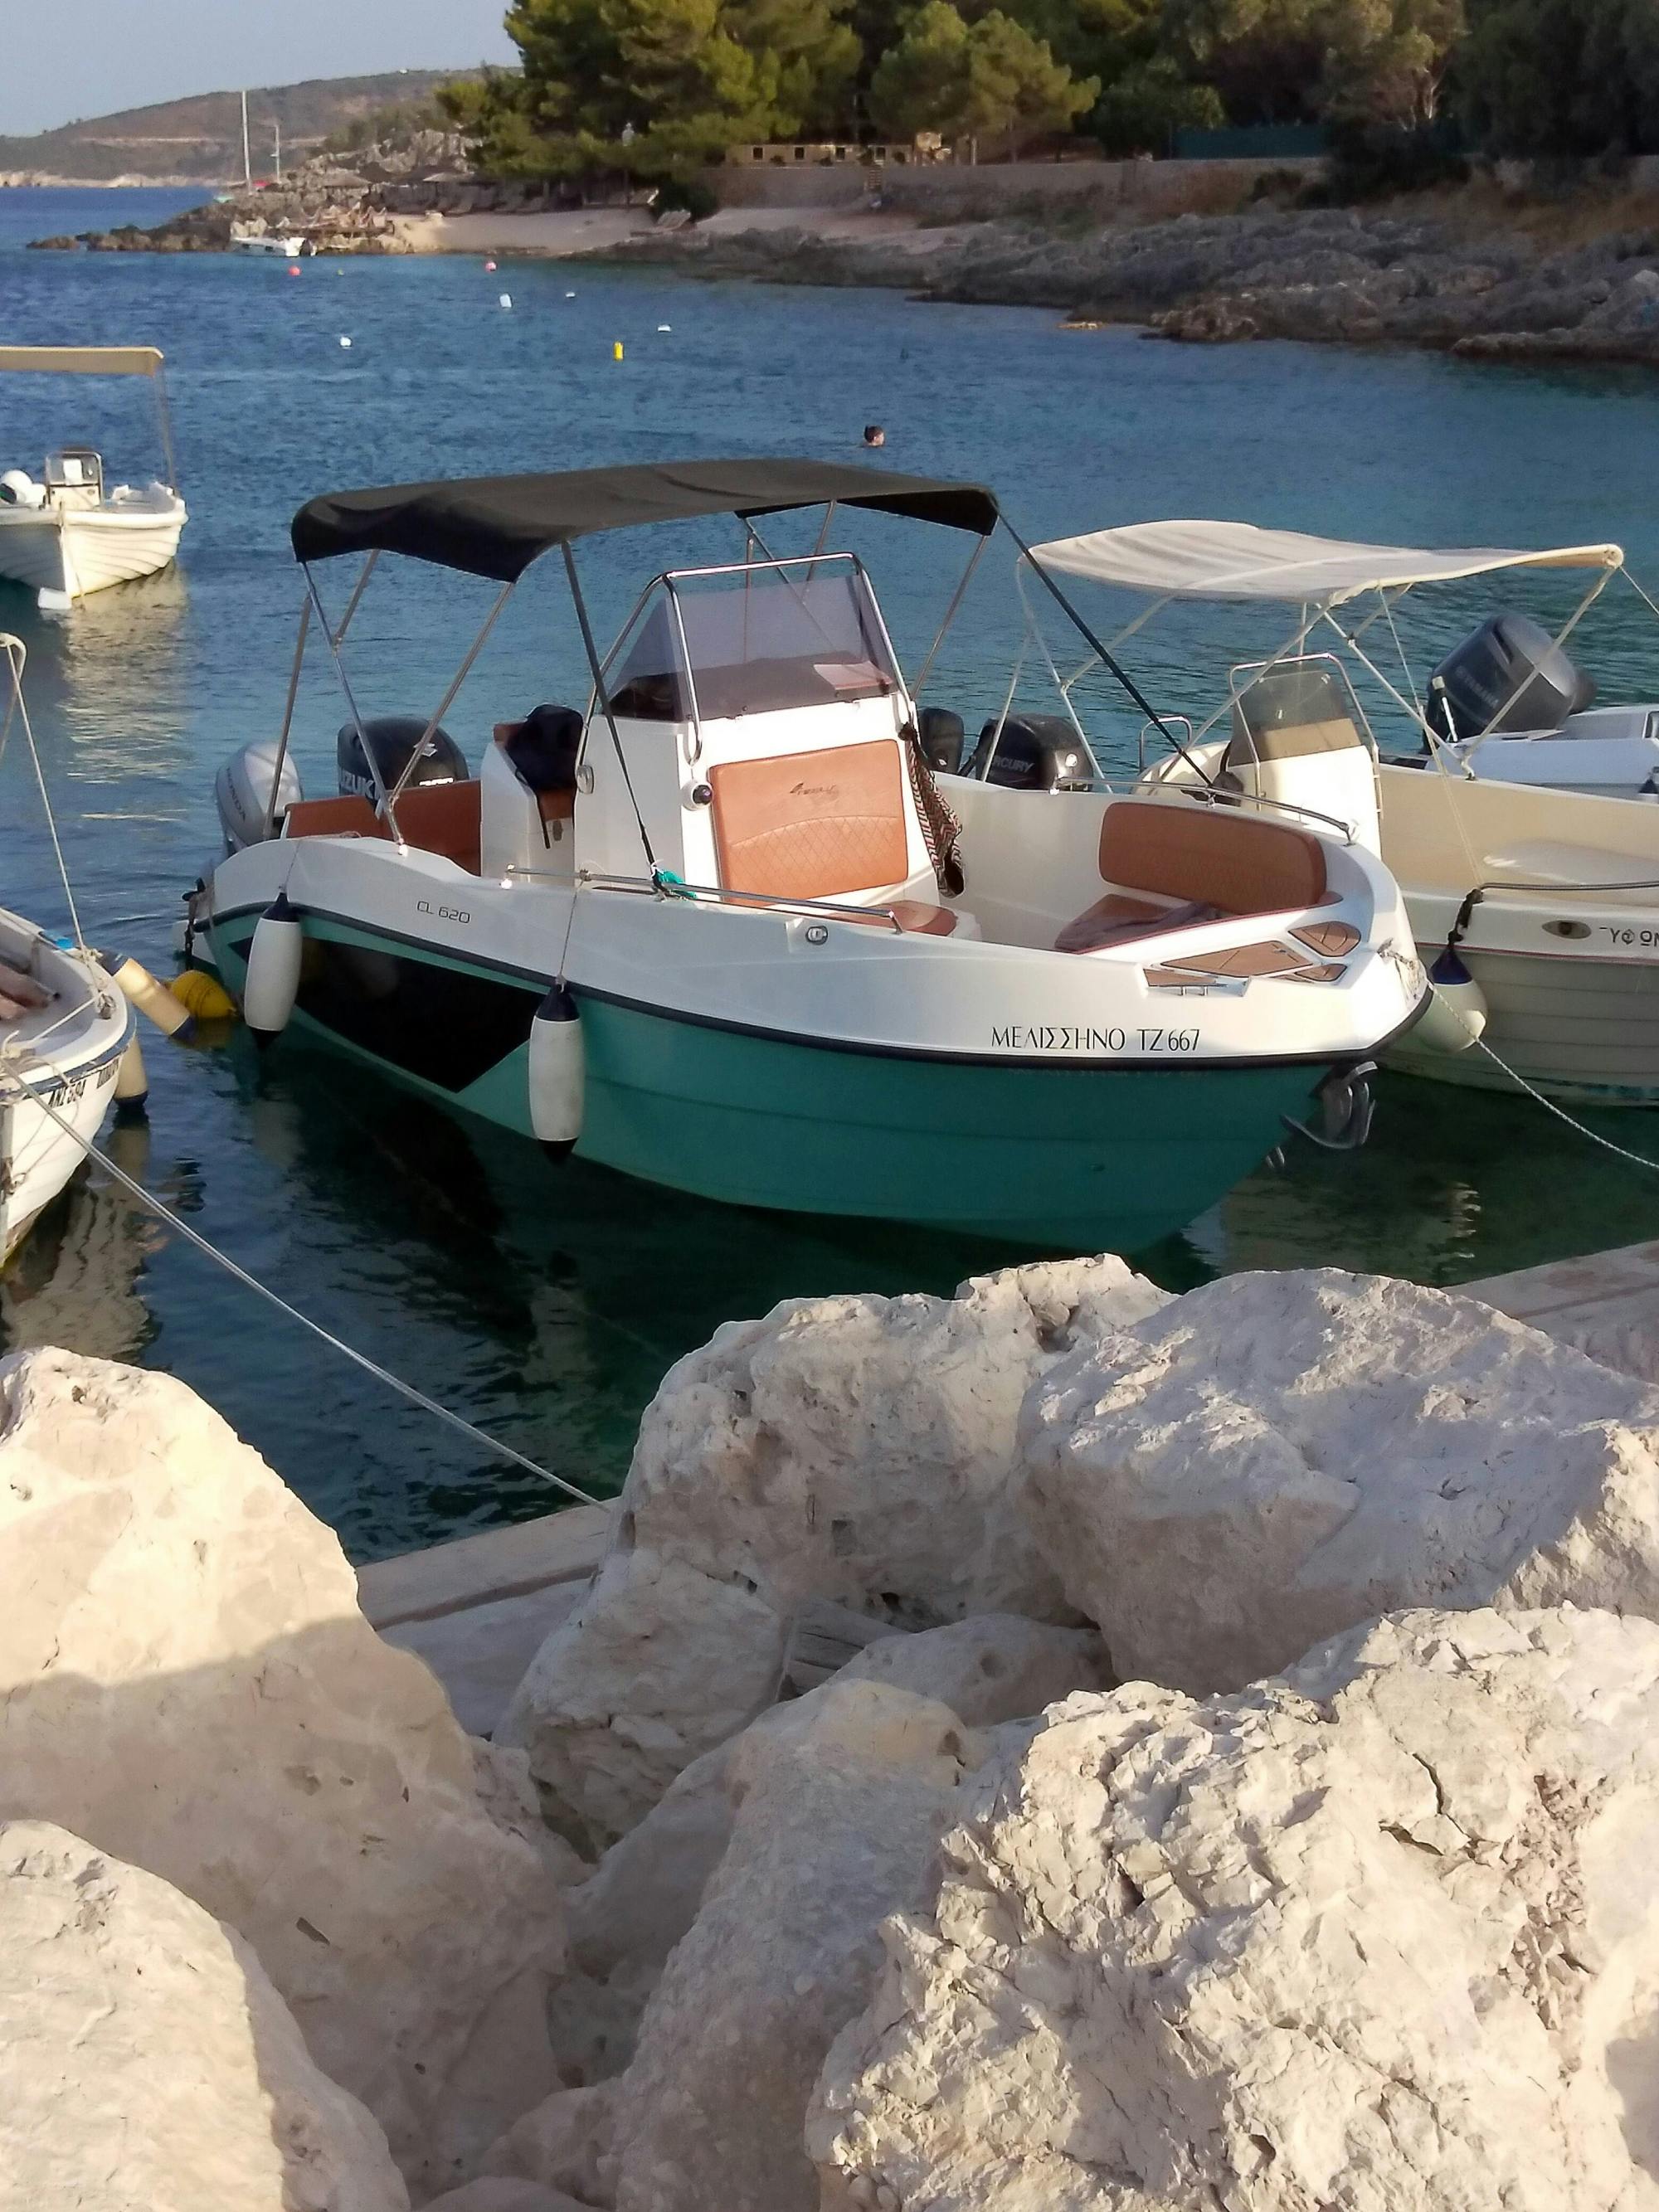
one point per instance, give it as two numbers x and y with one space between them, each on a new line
437 817
811 825
1217 857
914 915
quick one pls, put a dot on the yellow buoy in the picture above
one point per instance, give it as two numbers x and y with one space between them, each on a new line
204 994
617 351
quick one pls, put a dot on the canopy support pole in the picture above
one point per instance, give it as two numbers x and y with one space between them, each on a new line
957 596
448 699
336 638
602 693
288 714
382 800
1105 656
169 458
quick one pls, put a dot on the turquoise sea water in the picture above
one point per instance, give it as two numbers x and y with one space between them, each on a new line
546 1304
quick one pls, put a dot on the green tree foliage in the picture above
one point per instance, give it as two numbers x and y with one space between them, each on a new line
1554 79
1143 105
1294 61
988 79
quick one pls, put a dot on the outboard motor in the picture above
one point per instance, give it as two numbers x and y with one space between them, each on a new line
942 739
241 791
396 739
1035 752
1509 676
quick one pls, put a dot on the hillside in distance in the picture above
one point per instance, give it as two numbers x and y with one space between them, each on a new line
199 140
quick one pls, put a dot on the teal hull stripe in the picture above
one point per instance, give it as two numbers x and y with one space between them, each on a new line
1084 1158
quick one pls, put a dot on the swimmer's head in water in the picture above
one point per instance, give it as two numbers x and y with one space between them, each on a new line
874 434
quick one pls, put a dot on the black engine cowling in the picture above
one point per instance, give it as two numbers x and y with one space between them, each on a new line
1509 676
1035 752
395 739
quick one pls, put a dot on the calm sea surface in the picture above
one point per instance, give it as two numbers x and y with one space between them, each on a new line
545 1305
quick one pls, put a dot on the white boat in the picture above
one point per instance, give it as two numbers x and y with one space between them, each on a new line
718 930
287 245
1536 908
64 1030
67 533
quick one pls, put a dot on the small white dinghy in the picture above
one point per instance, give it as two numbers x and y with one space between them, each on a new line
65 1030
67 533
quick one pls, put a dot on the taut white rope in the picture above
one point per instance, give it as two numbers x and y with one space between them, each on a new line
148 1199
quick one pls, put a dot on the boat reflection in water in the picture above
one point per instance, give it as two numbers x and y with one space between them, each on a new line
76 1281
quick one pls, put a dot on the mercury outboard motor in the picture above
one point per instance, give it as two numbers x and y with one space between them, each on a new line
396 739
1035 752
1509 676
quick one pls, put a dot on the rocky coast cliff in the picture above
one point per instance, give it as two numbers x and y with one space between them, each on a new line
1388 276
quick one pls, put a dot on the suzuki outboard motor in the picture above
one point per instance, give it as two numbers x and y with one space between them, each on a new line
396 739
1510 676
241 791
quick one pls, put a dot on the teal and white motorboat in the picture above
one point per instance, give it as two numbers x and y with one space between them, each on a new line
719 930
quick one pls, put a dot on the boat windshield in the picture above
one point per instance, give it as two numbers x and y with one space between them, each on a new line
760 639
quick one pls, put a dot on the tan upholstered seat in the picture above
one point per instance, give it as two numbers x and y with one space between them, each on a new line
1191 863
435 818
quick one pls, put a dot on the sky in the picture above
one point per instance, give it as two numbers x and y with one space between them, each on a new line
67 58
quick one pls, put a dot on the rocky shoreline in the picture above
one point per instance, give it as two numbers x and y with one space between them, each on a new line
1464 277
1058 1744
1334 276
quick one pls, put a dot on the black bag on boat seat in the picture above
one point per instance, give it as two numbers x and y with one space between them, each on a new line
545 746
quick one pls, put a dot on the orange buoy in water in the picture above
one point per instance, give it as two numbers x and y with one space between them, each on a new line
293 268
489 269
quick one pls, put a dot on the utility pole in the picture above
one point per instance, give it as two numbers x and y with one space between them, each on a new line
247 158
277 128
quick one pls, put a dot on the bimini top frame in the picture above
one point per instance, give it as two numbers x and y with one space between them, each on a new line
100 361
497 526
1232 561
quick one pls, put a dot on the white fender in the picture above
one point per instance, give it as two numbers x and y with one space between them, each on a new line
131 1083
557 1071
273 970
1456 1013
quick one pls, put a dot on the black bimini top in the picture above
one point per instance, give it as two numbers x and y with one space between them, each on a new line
497 525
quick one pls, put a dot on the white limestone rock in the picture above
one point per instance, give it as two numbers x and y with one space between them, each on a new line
564 2144
191 1686
146 2062
853 1451
836 1830
1275 1457
1383 1932
496 2193
993 1667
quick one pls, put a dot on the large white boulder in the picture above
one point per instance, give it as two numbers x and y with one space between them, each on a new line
853 1451
1381 1932
836 1830
188 1683
1274 1458
644 1895
146 2061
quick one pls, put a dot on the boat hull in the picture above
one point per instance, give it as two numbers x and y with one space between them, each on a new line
67 1061
65 556
1065 1157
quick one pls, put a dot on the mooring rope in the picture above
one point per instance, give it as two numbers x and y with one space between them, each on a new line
1636 1159
148 1198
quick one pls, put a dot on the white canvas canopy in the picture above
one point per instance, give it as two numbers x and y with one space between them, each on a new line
83 361
1236 560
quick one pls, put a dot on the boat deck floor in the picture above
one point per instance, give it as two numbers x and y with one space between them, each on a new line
476 1610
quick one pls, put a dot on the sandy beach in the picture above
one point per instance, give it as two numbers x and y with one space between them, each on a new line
556 234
